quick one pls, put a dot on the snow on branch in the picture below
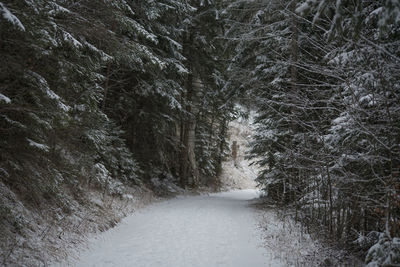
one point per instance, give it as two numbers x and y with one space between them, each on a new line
44 87
37 145
5 99
104 56
304 7
7 15
138 28
71 40
58 9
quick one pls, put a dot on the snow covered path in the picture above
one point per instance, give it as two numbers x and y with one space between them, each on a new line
196 231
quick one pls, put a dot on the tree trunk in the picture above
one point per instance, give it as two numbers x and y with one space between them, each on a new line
189 173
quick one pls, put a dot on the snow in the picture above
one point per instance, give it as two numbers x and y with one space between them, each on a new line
220 229
288 242
101 173
58 9
141 30
390 12
375 13
181 69
7 15
71 40
369 100
5 99
44 86
384 253
173 43
153 58
49 235
104 56
239 174
37 145
13 122
128 197
305 7
208 230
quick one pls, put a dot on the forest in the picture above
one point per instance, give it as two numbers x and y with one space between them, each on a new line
122 96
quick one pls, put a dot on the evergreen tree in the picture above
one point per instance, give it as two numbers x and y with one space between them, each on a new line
323 74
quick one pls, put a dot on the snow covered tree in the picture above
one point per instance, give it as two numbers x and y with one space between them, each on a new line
121 72
273 51
324 76
99 95
364 137
53 130
204 124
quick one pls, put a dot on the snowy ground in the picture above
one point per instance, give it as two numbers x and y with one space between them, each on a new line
222 229
35 237
209 230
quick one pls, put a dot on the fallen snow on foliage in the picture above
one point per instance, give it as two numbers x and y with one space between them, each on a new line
386 252
5 99
7 15
209 230
71 40
44 86
58 9
104 56
31 238
288 242
38 145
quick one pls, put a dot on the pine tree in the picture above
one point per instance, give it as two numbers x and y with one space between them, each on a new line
322 73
